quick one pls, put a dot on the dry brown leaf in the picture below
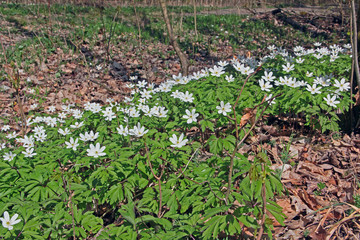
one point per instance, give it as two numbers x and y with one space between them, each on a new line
317 233
310 201
311 170
106 77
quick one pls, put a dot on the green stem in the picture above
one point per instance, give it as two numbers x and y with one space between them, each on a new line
156 177
263 195
241 141
237 138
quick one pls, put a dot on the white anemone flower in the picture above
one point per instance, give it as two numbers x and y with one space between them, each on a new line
331 100
265 86
187 97
109 114
271 47
216 71
224 108
29 152
8 222
178 142
229 78
300 60
11 135
64 132
268 76
309 74
77 125
190 116
123 130
72 143
177 94
313 89
223 63
5 128
268 98
9 156
288 67
342 84
138 131
247 70
96 151
92 136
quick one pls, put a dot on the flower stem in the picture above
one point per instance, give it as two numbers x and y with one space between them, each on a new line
156 177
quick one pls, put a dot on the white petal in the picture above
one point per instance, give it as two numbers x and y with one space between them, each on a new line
6 216
14 217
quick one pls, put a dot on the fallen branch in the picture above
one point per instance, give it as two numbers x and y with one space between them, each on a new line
281 16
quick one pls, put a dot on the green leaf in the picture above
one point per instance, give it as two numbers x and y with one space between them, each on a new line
216 145
115 194
148 218
211 227
170 126
128 212
212 211
276 211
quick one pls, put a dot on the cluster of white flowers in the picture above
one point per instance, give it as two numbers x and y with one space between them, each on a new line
240 67
313 84
142 91
217 71
109 114
40 133
185 97
93 107
89 136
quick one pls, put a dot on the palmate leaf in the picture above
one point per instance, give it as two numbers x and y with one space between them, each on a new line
173 203
171 235
206 124
234 225
167 225
276 211
32 235
91 223
216 145
211 227
128 212
229 143
115 194
212 211
221 223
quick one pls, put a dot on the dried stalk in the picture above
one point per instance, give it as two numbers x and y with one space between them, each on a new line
157 178
241 142
237 137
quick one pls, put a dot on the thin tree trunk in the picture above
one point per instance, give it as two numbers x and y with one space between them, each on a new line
49 10
355 43
358 13
355 52
195 24
183 58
